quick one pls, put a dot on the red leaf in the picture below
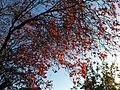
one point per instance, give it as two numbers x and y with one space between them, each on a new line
53 31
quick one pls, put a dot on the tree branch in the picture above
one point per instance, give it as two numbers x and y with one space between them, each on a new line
27 21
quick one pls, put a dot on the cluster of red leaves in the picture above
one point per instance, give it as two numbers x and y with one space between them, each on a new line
103 55
54 32
78 71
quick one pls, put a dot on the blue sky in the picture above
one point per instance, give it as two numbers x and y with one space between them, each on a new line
61 80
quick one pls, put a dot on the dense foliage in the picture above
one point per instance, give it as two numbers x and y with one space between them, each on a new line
37 35
99 77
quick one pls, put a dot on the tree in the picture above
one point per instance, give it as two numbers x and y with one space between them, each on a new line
99 77
109 74
33 41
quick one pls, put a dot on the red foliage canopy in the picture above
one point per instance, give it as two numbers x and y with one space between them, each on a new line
61 35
